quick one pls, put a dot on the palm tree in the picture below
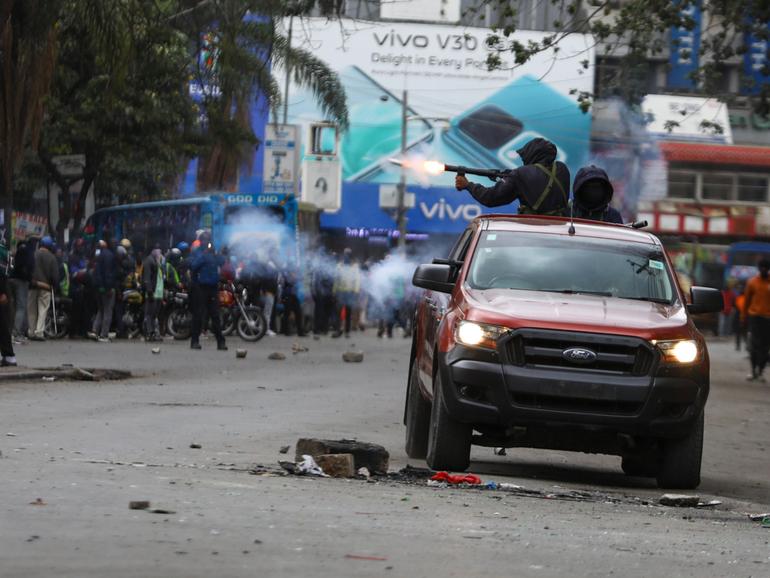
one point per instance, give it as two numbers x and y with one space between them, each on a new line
237 55
28 31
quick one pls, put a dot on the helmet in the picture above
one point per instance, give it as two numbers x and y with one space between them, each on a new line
175 254
196 244
125 243
47 242
183 246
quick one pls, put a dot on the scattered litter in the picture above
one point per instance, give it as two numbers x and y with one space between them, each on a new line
11 435
679 500
297 348
766 522
709 504
38 502
306 467
369 558
337 465
195 446
758 517
49 378
139 505
155 350
500 452
457 479
33 538
353 356
284 449
363 473
160 511
240 353
276 356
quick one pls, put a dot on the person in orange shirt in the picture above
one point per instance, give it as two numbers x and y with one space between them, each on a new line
757 311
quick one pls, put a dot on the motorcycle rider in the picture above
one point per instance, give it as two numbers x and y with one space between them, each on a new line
153 282
541 186
204 269
591 196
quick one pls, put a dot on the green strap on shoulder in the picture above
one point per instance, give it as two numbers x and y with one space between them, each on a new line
551 174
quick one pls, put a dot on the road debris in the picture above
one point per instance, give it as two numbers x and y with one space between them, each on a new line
758 517
38 502
10 435
155 350
353 356
363 473
710 504
307 466
374 457
284 449
337 465
195 446
679 500
470 479
139 505
276 356
362 557
297 348
766 522
240 353
49 378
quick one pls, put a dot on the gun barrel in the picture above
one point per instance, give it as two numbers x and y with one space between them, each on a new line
489 173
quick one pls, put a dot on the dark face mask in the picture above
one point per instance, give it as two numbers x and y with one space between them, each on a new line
593 195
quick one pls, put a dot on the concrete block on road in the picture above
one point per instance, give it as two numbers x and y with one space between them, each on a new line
679 500
374 457
337 465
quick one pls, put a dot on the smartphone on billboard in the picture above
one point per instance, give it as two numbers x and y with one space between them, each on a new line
490 133
375 126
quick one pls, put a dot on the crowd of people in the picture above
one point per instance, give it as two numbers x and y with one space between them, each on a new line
98 282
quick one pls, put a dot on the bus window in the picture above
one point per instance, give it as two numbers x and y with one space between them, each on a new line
247 214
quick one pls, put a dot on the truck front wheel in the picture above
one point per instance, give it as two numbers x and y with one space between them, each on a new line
681 459
449 441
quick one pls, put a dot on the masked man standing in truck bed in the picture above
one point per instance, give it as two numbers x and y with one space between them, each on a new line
541 186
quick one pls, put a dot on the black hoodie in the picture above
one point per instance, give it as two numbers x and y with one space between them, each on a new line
598 209
528 183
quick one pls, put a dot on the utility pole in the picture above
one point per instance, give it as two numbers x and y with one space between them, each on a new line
401 209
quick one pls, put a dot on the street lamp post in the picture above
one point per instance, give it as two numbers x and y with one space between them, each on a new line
400 208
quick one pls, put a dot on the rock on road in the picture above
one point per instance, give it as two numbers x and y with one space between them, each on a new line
86 449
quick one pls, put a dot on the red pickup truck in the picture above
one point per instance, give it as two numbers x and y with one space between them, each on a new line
538 333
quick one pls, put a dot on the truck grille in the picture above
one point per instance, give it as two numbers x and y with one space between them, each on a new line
614 354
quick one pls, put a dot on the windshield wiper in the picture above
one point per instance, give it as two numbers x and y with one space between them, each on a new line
650 299
579 292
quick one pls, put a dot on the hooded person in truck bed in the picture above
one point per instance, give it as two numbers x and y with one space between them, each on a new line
592 194
541 186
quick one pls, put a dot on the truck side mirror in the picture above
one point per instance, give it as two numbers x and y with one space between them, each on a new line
433 277
705 300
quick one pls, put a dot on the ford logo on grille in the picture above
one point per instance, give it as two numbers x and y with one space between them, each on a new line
579 355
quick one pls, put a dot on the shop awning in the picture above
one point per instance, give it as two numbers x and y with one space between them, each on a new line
691 152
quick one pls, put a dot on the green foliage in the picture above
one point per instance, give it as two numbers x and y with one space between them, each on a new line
636 29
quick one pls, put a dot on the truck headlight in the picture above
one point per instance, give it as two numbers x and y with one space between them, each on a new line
682 351
478 334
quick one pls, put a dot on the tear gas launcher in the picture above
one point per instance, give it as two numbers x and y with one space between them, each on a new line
436 168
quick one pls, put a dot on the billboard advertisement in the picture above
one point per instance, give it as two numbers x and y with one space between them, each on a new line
457 110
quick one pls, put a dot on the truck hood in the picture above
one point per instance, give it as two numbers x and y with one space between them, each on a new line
516 308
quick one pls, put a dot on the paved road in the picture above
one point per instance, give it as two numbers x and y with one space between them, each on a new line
87 449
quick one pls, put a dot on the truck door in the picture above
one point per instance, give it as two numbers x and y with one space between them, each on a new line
432 311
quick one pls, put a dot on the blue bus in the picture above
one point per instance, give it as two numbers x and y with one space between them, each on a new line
235 220
742 259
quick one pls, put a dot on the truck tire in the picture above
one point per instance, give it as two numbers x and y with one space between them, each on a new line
449 441
646 466
416 418
681 459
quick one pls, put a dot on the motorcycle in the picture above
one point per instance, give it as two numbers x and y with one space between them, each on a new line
62 306
234 311
133 312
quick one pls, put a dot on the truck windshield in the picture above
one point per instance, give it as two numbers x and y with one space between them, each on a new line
532 262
